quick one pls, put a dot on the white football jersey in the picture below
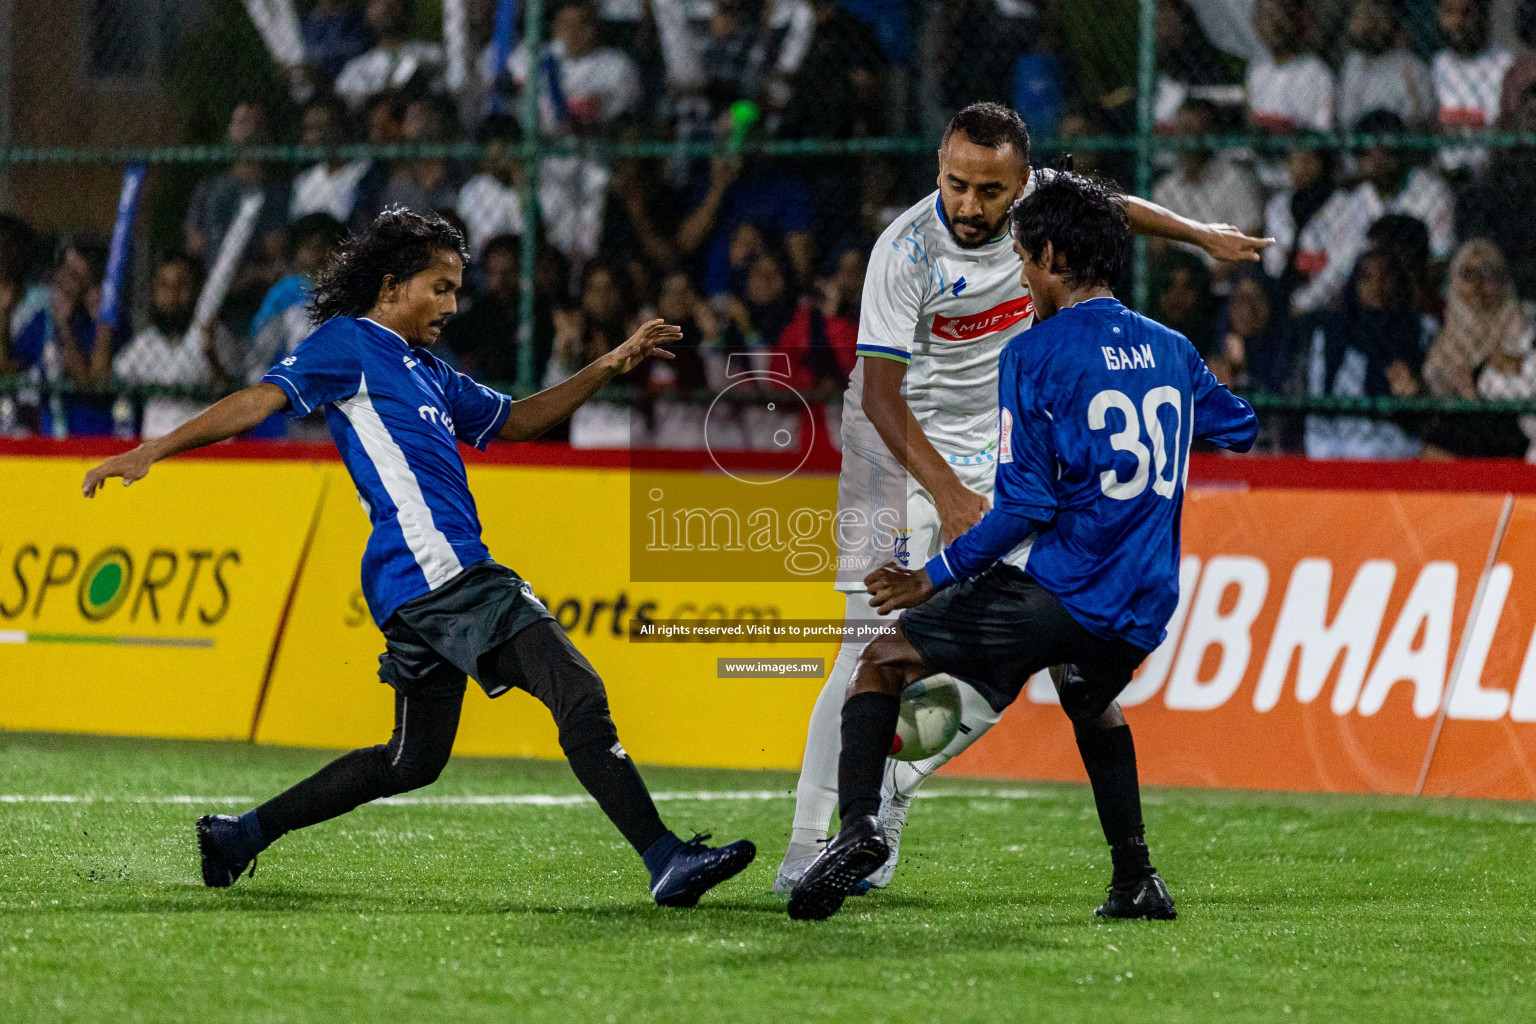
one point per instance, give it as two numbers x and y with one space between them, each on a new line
946 312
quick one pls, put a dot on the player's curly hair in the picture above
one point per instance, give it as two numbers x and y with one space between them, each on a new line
1084 218
398 244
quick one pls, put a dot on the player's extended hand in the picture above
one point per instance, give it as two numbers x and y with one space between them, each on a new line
130 466
959 510
646 341
1227 243
892 588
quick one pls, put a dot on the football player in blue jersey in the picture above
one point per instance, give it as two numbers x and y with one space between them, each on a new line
1077 563
447 610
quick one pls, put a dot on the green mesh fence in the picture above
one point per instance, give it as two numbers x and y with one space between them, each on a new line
584 176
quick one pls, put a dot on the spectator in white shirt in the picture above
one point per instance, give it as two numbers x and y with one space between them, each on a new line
597 86
1206 186
726 50
1336 236
396 62
490 203
1289 211
171 351
330 186
1289 88
1379 72
1469 75
1187 64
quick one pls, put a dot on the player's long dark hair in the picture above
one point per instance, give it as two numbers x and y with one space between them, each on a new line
398 244
1084 218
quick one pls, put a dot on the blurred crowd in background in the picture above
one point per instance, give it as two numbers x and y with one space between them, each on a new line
1402 267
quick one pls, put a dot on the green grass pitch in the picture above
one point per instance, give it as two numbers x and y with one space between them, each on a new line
1291 907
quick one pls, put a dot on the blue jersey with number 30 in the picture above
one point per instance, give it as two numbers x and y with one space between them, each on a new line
1099 406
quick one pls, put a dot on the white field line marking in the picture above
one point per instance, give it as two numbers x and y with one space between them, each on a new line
502 799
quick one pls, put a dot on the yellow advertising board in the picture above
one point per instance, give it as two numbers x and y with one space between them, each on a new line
220 598
150 610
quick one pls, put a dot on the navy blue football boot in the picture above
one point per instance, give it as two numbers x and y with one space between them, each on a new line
225 849
693 869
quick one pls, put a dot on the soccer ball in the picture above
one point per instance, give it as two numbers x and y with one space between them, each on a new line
929 719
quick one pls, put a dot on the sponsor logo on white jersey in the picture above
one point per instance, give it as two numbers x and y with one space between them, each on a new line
988 321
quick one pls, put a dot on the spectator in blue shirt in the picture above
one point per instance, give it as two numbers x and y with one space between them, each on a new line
64 345
334 32
283 321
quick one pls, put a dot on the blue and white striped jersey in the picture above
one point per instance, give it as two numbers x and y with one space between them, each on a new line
397 414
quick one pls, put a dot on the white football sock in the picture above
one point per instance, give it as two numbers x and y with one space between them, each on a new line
816 794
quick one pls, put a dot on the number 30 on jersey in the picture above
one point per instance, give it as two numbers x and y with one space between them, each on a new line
1161 463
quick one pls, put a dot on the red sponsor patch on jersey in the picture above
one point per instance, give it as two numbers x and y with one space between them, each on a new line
998 318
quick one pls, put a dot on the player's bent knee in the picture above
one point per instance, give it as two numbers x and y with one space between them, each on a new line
411 775
1089 704
885 666
591 725
581 712
413 770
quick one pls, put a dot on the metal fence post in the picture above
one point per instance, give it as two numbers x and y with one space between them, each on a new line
533 25
1146 88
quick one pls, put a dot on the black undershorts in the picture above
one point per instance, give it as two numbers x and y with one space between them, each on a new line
998 629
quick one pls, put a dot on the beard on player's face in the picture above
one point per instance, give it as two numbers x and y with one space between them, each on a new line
982 231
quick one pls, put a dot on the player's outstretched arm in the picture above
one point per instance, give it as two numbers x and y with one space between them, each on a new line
232 415
534 415
1221 241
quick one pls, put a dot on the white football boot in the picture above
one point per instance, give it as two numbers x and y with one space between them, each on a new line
896 793
800 855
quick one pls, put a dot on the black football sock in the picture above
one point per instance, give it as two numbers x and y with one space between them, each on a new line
1110 757
869 725
611 777
413 757
1132 861
351 780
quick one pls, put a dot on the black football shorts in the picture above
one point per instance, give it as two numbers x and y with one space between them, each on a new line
998 629
434 642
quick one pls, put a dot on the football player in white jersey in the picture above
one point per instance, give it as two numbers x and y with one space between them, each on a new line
942 295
